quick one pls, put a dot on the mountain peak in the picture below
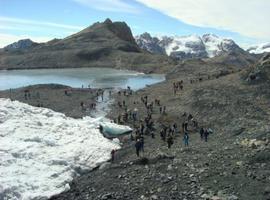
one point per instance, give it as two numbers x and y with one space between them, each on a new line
21 45
108 21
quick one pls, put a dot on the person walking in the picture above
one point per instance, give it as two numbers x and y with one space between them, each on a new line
186 139
170 140
138 147
112 155
202 133
206 133
142 143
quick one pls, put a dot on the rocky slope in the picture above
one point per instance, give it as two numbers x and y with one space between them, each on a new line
260 71
192 46
232 165
106 44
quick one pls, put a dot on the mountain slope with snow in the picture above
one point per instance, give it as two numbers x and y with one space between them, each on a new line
192 46
262 48
21 45
42 150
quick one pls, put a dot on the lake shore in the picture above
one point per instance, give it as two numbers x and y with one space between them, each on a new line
59 98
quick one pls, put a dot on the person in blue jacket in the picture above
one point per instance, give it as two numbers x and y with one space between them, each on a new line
186 139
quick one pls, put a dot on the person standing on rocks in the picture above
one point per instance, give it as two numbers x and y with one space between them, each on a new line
186 139
202 133
170 140
152 134
138 147
186 126
206 133
112 155
164 109
142 143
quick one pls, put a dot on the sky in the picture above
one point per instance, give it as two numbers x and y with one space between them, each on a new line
245 21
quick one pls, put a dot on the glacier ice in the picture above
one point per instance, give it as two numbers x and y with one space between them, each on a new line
41 151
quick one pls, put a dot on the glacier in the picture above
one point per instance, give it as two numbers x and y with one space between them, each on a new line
262 48
190 46
41 151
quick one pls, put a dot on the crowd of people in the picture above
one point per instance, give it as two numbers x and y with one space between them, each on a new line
144 124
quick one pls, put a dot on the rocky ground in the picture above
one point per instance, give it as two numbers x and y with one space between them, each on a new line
233 164
53 96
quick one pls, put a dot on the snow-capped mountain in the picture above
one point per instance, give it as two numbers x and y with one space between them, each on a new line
21 45
191 46
149 43
262 48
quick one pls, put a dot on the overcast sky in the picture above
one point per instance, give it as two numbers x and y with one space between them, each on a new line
245 21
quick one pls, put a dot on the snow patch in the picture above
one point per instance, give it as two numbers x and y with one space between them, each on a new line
41 151
181 43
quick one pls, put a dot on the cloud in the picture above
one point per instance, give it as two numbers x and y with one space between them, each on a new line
37 23
109 5
30 26
6 39
247 17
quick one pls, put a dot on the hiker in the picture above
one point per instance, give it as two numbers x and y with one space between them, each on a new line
181 87
186 126
142 143
82 105
202 133
186 139
112 155
164 109
119 119
102 95
141 129
206 133
101 129
183 127
152 134
194 122
134 115
138 146
163 135
174 127
170 140
119 104
190 117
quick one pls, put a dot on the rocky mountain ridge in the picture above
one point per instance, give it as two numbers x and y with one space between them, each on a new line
104 44
21 45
